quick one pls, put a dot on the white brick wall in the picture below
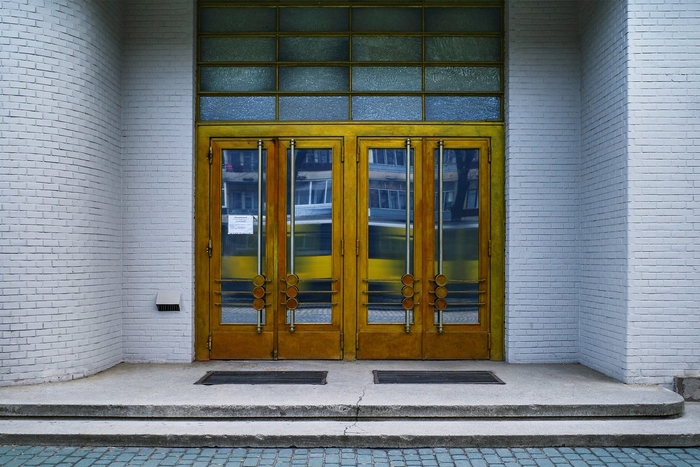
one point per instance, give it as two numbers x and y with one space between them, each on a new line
158 83
603 315
542 187
664 190
60 214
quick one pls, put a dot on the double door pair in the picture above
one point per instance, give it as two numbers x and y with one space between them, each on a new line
330 248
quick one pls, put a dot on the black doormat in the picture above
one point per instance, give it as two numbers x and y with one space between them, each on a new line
263 377
435 377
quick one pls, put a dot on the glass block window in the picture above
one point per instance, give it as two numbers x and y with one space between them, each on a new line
414 61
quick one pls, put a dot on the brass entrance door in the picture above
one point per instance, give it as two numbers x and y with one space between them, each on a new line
423 236
275 264
364 245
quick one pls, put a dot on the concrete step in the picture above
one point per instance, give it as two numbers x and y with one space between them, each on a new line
160 405
169 392
683 431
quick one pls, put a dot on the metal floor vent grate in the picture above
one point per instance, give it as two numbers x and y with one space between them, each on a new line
263 377
435 377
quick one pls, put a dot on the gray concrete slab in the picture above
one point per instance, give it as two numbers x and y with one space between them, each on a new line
681 431
168 391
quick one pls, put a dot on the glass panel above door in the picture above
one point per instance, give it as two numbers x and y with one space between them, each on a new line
376 56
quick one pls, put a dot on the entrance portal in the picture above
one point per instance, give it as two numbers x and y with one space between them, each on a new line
313 239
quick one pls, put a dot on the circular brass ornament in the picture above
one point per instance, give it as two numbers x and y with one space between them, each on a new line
440 303
259 292
407 303
292 303
292 279
441 280
407 279
441 292
259 280
292 292
407 291
258 304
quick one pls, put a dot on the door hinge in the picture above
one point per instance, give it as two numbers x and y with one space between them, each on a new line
209 248
357 248
209 343
488 340
342 247
342 154
210 156
489 154
489 247
357 156
357 342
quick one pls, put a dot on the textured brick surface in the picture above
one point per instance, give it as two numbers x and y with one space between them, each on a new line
157 183
603 284
60 189
664 190
542 181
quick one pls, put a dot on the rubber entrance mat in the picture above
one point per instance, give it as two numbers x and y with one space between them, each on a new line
263 377
435 377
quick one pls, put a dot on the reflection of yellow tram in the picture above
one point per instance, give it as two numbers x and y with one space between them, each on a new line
386 256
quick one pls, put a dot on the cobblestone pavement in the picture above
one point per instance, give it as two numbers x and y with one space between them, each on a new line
16 456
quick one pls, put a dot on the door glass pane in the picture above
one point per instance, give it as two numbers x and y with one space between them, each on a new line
386 108
387 241
386 49
386 78
314 78
463 78
459 260
309 256
237 49
239 233
314 49
386 19
244 79
236 108
314 19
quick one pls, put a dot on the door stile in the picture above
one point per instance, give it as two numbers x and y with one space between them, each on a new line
350 247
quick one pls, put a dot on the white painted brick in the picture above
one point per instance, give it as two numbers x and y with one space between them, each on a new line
664 179
60 117
542 187
158 116
603 286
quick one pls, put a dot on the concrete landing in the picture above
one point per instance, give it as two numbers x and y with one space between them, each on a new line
168 391
159 405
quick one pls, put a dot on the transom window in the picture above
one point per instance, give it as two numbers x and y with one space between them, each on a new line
424 62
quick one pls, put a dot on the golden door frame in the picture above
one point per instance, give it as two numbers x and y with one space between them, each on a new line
351 134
